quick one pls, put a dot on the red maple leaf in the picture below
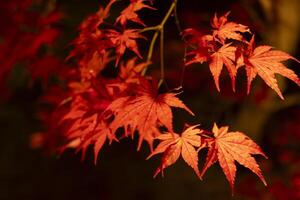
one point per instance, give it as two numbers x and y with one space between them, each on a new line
173 145
228 147
95 133
227 30
124 40
130 74
92 23
266 62
144 111
223 56
88 131
129 13
202 45
94 66
208 51
128 78
86 121
91 39
131 70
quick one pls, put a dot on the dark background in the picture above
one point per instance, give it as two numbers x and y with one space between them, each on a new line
122 172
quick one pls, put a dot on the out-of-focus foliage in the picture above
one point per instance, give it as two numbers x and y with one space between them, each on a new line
29 172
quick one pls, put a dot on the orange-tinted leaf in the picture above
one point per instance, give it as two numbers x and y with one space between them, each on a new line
94 66
266 62
207 51
227 30
129 75
204 43
91 39
92 23
101 134
90 131
129 13
172 146
125 40
86 121
144 111
131 69
224 56
228 147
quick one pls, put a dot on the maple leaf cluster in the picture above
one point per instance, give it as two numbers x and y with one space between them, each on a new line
227 46
110 96
223 146
104 109
97 37
100 106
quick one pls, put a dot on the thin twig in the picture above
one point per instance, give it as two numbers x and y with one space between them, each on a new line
151 28
159 29
151 48
162 62
179 28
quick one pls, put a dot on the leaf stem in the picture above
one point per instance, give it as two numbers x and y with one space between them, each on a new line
151 28
173 5
162 62
151 48
179 28
177 22
159 29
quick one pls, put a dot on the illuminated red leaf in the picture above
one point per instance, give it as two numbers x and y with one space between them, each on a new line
129 13
224 56
125 40
208 51
91 39
172 146
227 30
228 147
144 111
266 62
